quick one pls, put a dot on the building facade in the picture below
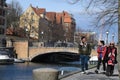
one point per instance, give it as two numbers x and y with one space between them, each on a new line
3 6
33 21
48 26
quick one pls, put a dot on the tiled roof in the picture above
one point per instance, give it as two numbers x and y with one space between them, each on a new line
66 14
58 18
67 20
51 16
39 11
67 17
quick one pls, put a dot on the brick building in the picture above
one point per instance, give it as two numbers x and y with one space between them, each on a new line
51 26
3 6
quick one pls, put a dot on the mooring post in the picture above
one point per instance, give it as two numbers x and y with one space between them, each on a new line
45 74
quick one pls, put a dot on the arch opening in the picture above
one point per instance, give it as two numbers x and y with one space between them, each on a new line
56 57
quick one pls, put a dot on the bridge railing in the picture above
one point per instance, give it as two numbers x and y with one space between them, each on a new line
42 44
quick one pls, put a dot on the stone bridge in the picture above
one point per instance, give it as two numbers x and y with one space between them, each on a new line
35 51
23 52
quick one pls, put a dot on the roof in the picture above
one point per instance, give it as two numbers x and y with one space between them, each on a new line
67 20
67 17
51 16
39 11
58 18
66 14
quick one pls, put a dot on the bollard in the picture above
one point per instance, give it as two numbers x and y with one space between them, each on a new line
45 74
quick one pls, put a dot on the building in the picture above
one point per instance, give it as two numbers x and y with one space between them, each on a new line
33 20
3 6
48 26
69 26
66 22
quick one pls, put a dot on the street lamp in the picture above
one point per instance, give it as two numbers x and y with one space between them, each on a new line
42 35
74 37
107 33
27 31
113 35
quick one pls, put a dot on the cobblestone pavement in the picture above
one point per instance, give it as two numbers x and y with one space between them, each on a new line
91 75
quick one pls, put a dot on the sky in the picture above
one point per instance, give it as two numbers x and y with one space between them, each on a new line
83 20
57 6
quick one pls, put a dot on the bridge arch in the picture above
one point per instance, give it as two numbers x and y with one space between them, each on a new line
55 56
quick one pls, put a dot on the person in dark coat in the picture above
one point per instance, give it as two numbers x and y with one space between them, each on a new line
4 42
111 59
84 51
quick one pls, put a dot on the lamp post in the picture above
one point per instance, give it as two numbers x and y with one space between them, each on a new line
42 35
74 37
107 33
113 35
27 31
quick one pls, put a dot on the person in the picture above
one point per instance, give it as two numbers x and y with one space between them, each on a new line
101 50
12 42
111 59
4 42
84 52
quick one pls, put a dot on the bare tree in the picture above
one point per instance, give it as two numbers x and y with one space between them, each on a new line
13 14
119 37
109 10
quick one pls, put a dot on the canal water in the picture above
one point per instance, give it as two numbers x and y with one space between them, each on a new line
23 71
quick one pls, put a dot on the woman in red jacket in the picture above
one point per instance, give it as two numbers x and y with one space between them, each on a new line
111 59
101 50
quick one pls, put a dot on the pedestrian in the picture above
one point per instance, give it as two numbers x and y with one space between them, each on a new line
4 42
111 59
101 50
84 51
12 42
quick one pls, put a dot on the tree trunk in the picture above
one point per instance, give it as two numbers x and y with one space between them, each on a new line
118 57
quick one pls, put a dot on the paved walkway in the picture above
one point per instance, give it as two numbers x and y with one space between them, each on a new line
91 75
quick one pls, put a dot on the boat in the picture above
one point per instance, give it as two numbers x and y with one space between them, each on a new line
18 60
5 56
5 59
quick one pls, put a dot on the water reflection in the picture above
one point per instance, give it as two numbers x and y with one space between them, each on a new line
23 71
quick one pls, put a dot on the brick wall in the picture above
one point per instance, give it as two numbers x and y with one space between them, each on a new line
21 49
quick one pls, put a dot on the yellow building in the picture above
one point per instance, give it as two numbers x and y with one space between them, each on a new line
47 26
30 20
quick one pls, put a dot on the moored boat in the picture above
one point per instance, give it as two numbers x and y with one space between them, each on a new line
18 60
5 55
5 59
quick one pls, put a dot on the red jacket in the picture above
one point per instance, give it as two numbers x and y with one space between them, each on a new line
111 55
101 50
111 50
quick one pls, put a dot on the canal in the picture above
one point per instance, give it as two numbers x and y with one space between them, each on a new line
23 71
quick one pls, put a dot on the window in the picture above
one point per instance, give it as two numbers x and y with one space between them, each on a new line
1 31
66 24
